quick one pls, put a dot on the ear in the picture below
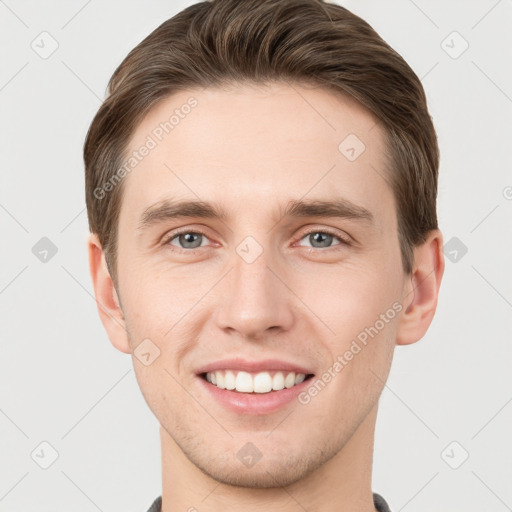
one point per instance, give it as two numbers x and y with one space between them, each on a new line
422 290
108 303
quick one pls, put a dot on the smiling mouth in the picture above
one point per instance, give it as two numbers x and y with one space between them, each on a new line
254 383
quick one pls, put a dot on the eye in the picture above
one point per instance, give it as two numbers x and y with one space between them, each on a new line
186 239
322 239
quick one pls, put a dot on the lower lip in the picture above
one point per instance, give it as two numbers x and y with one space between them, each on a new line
255 403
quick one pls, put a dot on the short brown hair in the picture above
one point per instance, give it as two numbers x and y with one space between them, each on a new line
260 41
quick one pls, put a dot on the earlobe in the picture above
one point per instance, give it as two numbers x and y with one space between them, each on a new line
422 290
107 301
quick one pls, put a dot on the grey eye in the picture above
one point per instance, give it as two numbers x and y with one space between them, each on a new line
188 240
321 239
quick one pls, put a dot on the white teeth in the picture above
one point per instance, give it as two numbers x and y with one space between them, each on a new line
262 382
299 378
229 380
289 381
278 381
244 382
219 377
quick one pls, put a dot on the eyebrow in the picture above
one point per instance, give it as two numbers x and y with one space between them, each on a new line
167 210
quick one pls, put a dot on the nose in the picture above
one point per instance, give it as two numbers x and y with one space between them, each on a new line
257 300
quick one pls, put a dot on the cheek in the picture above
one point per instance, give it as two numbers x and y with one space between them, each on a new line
159 388
155 298
349 298
361 352
361 308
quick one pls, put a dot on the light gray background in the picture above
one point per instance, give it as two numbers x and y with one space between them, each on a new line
62 381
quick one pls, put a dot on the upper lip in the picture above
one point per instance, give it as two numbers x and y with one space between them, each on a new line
252 366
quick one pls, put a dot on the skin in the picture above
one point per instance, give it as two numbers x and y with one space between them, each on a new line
251 149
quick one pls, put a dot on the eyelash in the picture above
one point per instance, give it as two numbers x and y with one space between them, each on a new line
173 235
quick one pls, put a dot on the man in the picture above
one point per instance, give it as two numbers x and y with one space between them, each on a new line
261 188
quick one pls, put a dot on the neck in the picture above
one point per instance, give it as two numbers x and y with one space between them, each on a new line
342 483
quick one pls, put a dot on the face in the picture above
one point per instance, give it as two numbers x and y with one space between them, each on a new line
304 262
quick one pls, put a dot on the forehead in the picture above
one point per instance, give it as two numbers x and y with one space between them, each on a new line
251 147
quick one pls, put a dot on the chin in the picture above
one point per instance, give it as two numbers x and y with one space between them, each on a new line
267 476
272 471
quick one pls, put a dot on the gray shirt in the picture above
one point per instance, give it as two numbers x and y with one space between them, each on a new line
378 501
